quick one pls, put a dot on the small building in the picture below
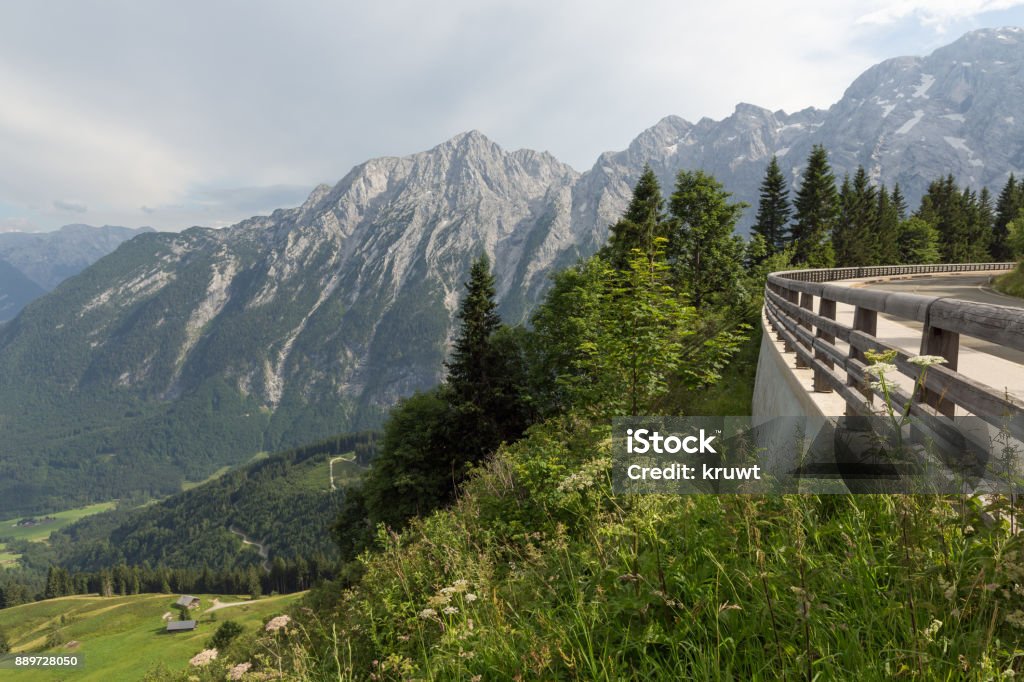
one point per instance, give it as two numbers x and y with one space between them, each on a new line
181 625
188 601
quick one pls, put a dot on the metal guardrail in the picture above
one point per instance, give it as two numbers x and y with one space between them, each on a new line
789 303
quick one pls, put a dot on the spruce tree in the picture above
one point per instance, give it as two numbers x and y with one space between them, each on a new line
469 370
706 256
899 202
944 206
640 225
774 210
887 228
816 207
1007 207
843 228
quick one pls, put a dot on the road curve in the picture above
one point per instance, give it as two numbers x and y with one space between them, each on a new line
971 287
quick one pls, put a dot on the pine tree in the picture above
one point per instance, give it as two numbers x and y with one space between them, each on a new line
469 371
944 206
706 256
773 210
899 203
1007 207
816 207
887 229
842 228
980 228
641 224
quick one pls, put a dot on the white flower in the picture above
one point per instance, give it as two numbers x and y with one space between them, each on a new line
236 672
461 584
470 597
428 613
927 360
203 657
450 610
880 368
275 624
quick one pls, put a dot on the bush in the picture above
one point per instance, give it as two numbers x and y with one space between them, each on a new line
228 631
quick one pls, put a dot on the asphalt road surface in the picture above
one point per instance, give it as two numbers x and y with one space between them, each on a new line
965 287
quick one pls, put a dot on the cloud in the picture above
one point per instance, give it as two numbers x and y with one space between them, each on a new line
173 114
935 13
72 206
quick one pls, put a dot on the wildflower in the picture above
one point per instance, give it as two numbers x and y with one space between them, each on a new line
470 597
450 610
927 360
932 629
461 585
428 613
881 368
237 671
203 657
275 624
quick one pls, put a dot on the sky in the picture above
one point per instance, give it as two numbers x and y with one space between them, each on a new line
204 113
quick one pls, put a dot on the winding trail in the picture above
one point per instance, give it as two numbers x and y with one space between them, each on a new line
260 547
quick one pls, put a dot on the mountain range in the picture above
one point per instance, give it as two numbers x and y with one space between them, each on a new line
181 352
32 263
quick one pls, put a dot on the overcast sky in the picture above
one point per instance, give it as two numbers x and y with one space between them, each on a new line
180 113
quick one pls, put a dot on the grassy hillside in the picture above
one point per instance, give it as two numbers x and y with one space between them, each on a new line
123 637
1011 283
44 526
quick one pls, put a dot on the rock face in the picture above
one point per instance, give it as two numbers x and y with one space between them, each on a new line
178 353
907 120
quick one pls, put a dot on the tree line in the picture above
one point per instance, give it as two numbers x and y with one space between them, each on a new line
859 222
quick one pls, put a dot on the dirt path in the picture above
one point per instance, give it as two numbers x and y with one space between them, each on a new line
260 547
218 604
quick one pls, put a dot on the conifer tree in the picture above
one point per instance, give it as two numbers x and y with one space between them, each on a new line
843 228
899 202
887 228
980 227
706 256
944 206
1007 207
469 371
774 210
641 224
816 207
918 242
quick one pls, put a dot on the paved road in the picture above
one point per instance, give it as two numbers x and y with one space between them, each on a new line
966 287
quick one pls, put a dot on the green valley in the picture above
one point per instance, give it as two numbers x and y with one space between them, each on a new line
121 638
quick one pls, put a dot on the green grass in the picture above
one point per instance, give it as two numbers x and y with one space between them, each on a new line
41 532
188 485
1012 283
121 638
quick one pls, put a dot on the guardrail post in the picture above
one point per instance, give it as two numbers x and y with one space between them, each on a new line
807 303
864 320
827 309
792 297
935 341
